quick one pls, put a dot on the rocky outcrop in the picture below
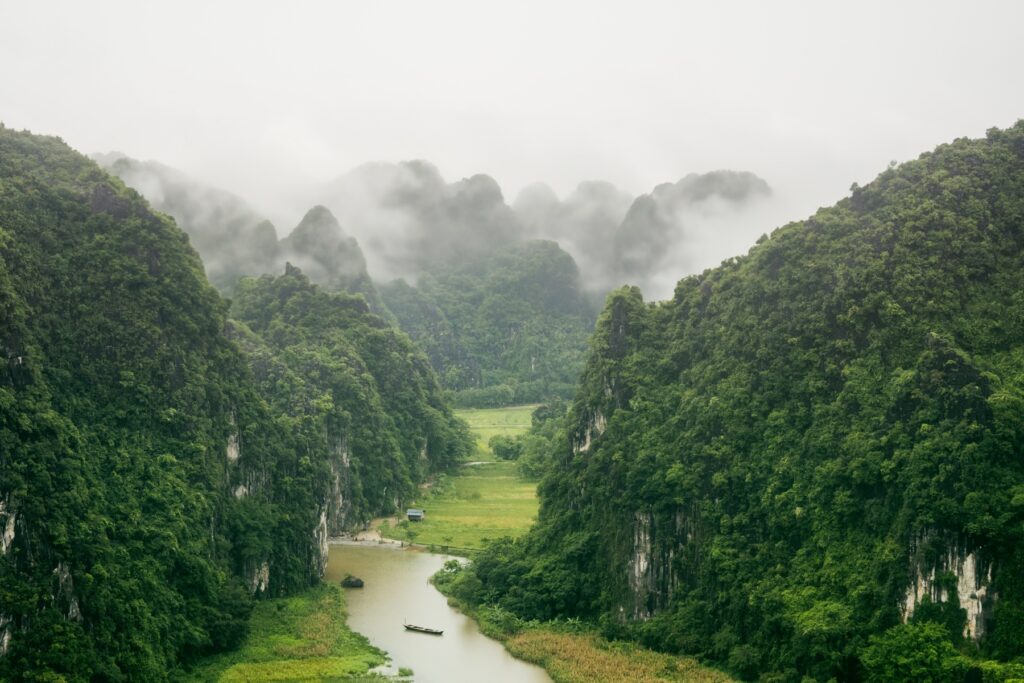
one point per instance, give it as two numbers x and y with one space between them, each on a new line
259 579
336 504
8 519
652 573
233 449
5 634
954 573
320 537
65 592
593 429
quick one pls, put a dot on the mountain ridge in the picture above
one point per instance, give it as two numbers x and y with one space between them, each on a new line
809 445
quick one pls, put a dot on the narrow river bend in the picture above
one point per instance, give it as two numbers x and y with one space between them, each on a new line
398 589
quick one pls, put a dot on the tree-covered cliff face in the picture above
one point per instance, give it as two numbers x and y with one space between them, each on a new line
149 483
508 327
329 257
809 444
355 391
235 241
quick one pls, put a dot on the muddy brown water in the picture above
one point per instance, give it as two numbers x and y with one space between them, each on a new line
398 590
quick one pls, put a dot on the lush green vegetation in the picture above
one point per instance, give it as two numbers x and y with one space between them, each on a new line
361 398
234 241
506 327
152 474
571 651
486 423
759 471
479 502
230 236
298 638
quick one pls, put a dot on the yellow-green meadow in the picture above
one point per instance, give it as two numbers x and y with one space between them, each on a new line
486 499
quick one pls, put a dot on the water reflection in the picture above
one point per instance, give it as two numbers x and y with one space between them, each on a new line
397 589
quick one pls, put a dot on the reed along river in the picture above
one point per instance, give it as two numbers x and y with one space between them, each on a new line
398 590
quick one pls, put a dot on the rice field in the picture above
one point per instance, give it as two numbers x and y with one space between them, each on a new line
482 501
488 422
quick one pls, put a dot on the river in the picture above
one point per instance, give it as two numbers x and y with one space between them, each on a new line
397 589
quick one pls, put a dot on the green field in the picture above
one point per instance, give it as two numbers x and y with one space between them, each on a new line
488 422
300 638
482 501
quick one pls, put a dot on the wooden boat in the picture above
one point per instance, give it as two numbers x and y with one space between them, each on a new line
423 629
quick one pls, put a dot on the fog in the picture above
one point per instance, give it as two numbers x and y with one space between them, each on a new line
605 105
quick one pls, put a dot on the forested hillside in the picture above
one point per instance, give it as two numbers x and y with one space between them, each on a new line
345 379
152 474
503 297
506 327
492 292
808 446
234 241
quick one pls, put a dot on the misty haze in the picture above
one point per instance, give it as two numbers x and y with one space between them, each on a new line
448 342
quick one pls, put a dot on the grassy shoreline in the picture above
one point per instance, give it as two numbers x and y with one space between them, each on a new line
490 500
574 652
303 637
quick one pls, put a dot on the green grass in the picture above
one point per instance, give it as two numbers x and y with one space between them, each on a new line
300 638
482 501
572 651
488 422
585 657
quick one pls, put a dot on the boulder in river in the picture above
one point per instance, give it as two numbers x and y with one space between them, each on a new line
351 581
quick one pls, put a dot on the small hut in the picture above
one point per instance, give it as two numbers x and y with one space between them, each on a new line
415 514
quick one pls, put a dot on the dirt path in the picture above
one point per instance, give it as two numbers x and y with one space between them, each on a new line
371 535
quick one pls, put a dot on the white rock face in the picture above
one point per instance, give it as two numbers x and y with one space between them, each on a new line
972 588
241 491
233 451
66 589
7 520
652 572
336 506
321 535
640 563
233 448
5 634
595 429
260 580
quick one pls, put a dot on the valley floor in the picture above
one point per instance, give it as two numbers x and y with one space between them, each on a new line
306 638
486 499
299 638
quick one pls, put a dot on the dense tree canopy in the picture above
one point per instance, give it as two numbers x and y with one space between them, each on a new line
770 467
152 474
507 328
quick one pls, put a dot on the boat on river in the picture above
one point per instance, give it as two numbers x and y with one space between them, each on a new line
423 629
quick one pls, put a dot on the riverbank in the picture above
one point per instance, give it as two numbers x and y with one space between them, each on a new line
573 652
299 638
490 500
397 591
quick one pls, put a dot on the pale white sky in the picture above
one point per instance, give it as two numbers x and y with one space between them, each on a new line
266 99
